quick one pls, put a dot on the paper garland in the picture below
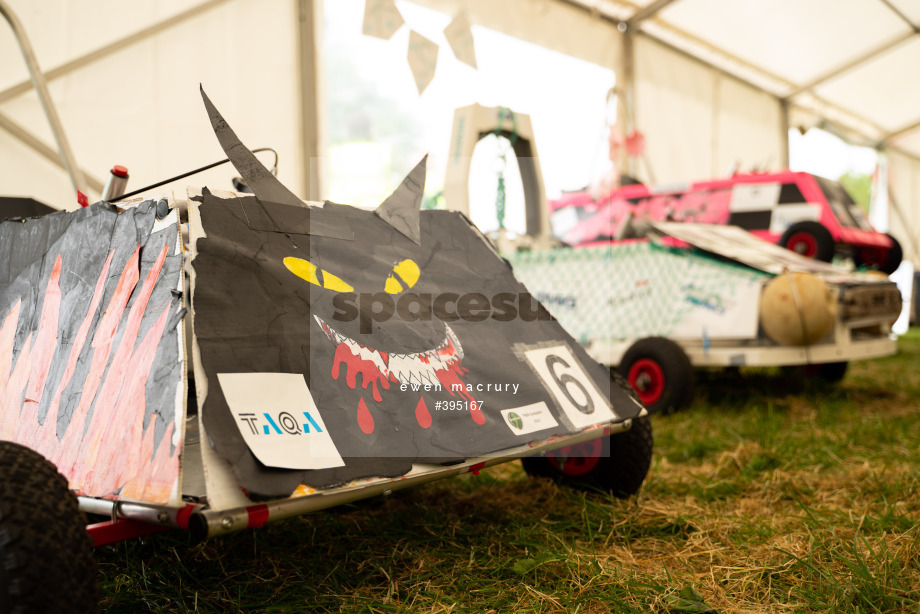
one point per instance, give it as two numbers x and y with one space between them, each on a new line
382 19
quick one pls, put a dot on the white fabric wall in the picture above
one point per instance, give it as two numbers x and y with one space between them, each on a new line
904 204
699 122
141 107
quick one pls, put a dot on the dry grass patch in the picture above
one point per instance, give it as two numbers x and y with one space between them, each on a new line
760 499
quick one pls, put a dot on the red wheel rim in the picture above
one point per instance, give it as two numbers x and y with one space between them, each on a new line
647 378
578 459
803 243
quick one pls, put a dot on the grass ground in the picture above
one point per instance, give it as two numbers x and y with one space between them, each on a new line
768 495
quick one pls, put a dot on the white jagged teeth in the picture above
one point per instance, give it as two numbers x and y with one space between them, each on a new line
419 368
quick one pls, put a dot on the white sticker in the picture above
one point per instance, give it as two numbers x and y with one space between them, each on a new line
785 216
529 418
572 388
279 421
754 196
563 220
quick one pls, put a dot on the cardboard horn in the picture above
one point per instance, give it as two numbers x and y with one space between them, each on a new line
263 184
401 208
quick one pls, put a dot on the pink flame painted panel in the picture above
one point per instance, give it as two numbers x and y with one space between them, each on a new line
104 357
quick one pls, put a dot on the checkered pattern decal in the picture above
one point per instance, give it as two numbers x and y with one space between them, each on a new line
769 206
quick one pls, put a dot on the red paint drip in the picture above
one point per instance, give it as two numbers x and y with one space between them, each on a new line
450 378
449 350
422 414
356 365
365 419
475 469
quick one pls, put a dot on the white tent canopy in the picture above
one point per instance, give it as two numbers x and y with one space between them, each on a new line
709 82
124 79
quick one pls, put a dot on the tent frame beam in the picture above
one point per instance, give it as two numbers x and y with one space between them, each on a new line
114 47
901 15
836 72
647 12
900 131
592 11
33 142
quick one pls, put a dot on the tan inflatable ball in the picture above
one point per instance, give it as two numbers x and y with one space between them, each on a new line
797 309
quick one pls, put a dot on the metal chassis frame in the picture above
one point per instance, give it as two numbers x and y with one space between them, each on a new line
756 353
135 519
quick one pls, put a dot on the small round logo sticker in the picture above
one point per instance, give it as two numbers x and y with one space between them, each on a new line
515 420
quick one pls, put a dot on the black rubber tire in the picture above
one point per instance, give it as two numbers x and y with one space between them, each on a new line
801 377
46 554
823 242
620 469
895 256
887 261
831 372
664 359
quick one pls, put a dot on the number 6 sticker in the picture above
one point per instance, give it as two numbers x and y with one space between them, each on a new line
572 388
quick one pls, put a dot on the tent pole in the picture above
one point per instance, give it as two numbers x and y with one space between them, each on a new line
784 132
312 95
629 90
38 79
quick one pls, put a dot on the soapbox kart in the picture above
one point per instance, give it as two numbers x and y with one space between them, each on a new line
808 214
215 361
701 295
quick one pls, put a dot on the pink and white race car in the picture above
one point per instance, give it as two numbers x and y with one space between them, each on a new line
810 215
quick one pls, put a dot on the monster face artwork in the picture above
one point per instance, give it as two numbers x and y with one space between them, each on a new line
413 338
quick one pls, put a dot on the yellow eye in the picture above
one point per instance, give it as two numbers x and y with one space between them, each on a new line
392 286
331 282
405 273
306 270
303 269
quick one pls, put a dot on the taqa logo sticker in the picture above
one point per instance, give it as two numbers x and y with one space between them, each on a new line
279 424
279 421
